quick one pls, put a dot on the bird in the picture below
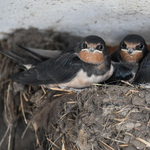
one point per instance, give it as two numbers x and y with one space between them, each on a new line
127 59
142 77
87 63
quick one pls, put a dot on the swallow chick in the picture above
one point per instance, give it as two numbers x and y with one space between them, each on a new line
126 60
88 64
143 75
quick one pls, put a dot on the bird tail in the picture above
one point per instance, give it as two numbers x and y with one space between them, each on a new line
23 61
33 57
40 54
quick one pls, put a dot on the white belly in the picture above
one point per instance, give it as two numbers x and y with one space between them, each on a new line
82 80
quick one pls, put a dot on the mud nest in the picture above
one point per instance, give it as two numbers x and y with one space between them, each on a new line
105 117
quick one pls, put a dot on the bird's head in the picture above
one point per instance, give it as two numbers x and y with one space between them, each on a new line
92 49
132 48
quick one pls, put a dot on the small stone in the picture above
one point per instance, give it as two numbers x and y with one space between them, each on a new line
147 98
107 135
127 138
130 148
136 100
107 111
139 145
142 94
128 126
18 87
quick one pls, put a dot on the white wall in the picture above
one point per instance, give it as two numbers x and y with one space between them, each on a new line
110 19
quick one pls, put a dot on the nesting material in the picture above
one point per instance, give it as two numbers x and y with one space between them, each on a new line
101 117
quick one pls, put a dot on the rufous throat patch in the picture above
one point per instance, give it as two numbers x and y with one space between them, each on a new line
134 57
88 57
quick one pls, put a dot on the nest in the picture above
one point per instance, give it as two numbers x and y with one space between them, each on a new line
105 117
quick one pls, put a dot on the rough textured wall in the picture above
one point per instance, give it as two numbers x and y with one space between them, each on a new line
109 19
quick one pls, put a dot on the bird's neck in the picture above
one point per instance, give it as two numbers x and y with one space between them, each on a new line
133 66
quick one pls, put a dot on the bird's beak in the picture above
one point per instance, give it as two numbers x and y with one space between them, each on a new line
91 50
130 50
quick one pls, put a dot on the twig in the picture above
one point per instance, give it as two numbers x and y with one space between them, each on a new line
70 129
41 97
122 109
74 146
63 144
11 138
139 139
131 92
105 124
124 145
99 84
122 123
126 117
9 120
114 140
57 95
43 89
53 143
43 94
72 102
29 88
10 146
92 146
25 130
62 117
35 129
56 140
57 89
25 97
7 103
106 145
4 135
22 108
127 83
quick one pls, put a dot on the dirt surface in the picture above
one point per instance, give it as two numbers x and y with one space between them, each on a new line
104 117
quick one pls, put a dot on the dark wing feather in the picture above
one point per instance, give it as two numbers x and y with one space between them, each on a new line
120 73
19 58
114 57
143 74
40 54
57 70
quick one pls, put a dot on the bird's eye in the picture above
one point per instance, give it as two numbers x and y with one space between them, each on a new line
100 47
84 45
123 45
140 46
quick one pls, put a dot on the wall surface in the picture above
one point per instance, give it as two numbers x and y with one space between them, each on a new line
110 19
